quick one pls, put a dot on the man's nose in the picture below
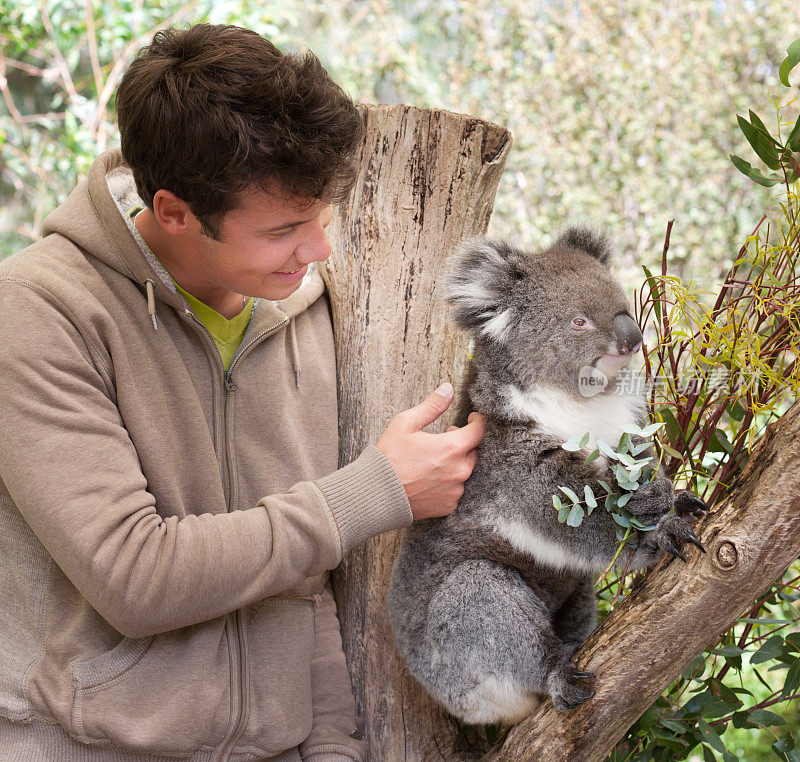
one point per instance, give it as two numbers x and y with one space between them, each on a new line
317 248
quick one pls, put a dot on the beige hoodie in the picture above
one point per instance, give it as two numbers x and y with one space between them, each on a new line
165 527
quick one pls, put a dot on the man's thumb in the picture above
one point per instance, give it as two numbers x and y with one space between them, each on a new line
429 410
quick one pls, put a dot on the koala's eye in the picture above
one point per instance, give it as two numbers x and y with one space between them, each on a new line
579 322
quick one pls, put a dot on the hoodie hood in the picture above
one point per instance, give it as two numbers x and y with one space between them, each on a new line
93 217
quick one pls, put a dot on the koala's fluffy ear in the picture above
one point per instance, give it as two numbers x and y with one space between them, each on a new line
587 239
482 272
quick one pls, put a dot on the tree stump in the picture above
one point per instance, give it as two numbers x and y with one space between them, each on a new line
427 179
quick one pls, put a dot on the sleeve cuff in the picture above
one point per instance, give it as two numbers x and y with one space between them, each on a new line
366 498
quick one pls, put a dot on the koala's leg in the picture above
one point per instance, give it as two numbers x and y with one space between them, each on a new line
490 648
577 617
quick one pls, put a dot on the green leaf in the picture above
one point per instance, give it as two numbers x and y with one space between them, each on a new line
623 501
571 445
591 501
622 520
648 431
788 63
563 512
636 524
593 455
719 442
606 450
575 516
728 651
708 755
736 411
604 485
672 724
755 120
557 502
792 640
754 174
709 736
792 679
793 141
765 150
770 649
585 439
785 749
570 494
722 691
764 718
654 293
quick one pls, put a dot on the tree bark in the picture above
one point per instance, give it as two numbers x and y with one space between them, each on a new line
427 179
680 609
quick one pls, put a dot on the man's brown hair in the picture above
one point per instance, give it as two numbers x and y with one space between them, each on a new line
210 111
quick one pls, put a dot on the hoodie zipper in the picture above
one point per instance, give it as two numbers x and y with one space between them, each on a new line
235 624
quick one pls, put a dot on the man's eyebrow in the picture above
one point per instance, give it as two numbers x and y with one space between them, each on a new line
287 226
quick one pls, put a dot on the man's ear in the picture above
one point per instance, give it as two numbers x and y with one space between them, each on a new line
172 213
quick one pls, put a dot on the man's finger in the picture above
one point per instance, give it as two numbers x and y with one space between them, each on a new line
471 435
428 411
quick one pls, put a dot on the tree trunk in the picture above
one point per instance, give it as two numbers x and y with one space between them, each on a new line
680 609
427 178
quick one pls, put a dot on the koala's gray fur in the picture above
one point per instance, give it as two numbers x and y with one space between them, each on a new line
489 604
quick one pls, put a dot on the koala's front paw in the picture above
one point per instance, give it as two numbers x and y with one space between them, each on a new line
671 532
652 500
563 686
688 506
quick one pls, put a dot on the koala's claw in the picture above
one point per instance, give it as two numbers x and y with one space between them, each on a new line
565 692
672 530
671 547
688 504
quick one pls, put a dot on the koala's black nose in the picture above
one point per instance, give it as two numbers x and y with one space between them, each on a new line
629 337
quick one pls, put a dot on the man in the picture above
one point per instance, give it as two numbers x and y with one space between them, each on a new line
170 502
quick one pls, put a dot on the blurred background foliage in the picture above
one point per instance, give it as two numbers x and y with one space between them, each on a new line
622 113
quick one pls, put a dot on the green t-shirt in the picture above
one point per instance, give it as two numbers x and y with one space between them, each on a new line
227 334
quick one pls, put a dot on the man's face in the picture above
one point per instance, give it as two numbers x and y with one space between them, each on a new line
262 241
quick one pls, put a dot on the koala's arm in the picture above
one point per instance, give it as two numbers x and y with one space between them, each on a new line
577 617
596 537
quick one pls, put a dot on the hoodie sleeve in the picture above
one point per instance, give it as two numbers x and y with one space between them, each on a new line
73 472
337 732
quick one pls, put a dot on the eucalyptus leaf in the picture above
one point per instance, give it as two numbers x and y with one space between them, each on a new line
788 63
763 148
755 175
570 494
575 516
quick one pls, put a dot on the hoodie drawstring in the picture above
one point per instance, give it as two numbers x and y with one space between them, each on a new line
295 352
151 303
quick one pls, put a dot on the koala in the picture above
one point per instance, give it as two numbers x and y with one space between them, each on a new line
489 604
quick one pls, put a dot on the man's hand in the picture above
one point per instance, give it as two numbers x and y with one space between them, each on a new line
432 467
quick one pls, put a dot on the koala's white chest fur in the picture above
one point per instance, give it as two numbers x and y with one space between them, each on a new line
566 417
